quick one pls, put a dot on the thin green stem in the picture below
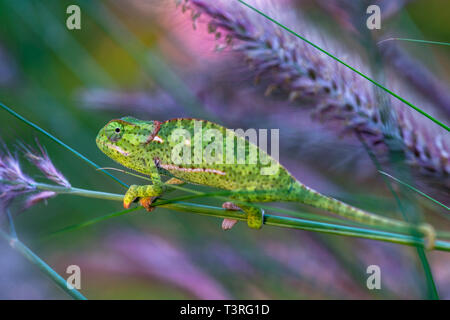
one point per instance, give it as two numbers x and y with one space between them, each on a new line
295 223
95 220
21 248
12 228
274 220
414 189
221 195
415 40
80 192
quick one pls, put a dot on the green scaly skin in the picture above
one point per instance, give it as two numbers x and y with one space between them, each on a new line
146 147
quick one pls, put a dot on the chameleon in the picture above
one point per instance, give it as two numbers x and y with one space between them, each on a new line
154 148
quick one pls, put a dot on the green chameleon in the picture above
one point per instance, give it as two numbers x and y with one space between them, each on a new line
154 148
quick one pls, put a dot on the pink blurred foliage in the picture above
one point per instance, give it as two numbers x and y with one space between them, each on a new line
396 266
439 264
152 258
316 270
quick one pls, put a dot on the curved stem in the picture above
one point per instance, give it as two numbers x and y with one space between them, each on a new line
295 223
273 220
79 192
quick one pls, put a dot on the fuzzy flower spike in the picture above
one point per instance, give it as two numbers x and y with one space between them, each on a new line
14 183
293 69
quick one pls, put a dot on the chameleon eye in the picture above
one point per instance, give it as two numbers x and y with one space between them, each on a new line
114 132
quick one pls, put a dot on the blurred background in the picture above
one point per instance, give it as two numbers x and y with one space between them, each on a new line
144 58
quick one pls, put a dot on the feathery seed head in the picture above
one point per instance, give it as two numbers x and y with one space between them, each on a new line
14 183
43 162
292 67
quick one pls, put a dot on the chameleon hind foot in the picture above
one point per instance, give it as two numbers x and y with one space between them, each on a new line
429 235
255 216
227 224
147 203
143 192
230 206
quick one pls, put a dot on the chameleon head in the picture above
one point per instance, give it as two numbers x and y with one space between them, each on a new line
123 139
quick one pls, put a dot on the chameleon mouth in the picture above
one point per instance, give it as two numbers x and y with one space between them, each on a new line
118 149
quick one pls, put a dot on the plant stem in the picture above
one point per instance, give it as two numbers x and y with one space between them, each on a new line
79 192
295 223
273 220
17 245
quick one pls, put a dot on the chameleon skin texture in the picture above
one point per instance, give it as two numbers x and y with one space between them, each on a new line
148 147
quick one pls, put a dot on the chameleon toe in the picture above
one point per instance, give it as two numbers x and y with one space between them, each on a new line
227 224
126 205
147 203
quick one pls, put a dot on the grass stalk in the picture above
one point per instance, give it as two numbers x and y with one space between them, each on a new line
269 219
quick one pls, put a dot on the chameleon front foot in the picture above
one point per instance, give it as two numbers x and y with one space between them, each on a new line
147 202
145 193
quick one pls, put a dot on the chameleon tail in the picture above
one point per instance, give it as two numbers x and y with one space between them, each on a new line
315 199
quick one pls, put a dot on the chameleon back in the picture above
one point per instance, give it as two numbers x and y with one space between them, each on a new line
210 154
